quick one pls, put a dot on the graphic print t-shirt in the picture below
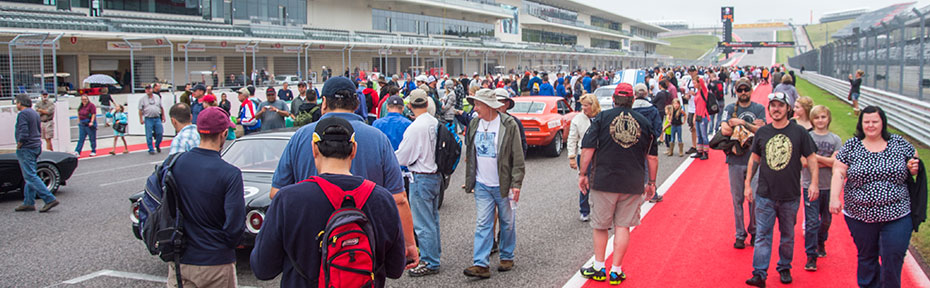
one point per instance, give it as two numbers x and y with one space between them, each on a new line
486 151
748 114
826 145
622 138
780 151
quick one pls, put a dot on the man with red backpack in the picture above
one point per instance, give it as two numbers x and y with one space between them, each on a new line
354 221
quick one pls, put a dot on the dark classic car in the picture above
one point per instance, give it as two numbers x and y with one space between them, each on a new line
257 156
54 168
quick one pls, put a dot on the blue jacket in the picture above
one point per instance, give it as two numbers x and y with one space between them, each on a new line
546 89
374 159
560 87
586 82
27 129
533 81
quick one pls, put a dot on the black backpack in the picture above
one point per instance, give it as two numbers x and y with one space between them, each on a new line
712 106
162 220
448 149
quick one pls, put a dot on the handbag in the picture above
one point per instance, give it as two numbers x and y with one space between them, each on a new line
119 127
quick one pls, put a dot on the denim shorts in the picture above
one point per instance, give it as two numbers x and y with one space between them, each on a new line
854 96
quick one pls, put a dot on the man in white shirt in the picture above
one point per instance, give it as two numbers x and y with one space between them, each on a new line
417 151
690 92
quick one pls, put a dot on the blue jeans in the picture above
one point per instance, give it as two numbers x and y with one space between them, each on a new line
676 133
84 132
585 207
817 219
486 199
701 130
714 123
767 211
424 203
153 129
885 240
33 184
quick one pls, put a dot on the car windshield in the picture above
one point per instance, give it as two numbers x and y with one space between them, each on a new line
255 154
528 107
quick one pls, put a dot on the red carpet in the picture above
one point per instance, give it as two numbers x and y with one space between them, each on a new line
687 240
108 142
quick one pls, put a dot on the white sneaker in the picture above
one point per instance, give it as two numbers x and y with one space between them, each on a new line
583 218
92 154
76 154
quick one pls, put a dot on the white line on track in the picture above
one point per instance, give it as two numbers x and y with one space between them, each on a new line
123 181
577 280
119 274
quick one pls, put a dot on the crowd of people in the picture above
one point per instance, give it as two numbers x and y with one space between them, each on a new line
372 140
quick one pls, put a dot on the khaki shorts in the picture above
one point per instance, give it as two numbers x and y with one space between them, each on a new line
610 210
216 276
48 129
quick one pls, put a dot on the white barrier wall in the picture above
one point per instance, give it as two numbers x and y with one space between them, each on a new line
62 139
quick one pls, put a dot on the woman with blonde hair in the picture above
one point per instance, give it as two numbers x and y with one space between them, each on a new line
802 112
589 108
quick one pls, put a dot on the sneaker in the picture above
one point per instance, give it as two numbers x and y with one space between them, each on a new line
756 280
752 241
739 244
478 272
506 265
584 218
696 155
811 263
821 252
158 149
785 276
151 152
422 270
76 154
92 154
596 275
691 151
616 279
656 199
49 206
22 208
703 156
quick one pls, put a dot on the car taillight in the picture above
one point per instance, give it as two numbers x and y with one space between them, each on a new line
134 215
254 221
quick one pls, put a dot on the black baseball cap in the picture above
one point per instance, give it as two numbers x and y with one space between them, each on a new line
335 84
199 87
319 132
395 101
270 90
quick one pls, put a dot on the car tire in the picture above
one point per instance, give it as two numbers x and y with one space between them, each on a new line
50 176
554 149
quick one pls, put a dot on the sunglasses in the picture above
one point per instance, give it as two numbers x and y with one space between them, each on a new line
778 96
741 90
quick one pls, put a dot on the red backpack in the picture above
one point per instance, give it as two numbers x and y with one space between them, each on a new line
346 243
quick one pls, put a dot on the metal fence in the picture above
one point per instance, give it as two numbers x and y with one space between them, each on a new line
893 56
31 59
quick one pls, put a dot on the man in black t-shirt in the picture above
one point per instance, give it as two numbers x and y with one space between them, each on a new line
622 139
778 148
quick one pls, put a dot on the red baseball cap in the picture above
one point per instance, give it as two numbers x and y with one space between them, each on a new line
624 89
209 98
213 120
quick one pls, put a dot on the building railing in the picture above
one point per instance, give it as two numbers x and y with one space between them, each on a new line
485 5
578 24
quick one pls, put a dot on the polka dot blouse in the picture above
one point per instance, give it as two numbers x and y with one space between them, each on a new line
876 187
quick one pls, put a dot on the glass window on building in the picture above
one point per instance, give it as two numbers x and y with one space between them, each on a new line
604 23
537 9
267 10
400 22
539 36
605 44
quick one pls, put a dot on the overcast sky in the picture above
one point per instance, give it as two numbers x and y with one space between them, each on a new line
707 12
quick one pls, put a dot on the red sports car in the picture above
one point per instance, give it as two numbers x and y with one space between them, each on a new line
546 120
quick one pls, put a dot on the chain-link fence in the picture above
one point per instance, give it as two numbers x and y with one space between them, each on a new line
31 59
892 55
151 62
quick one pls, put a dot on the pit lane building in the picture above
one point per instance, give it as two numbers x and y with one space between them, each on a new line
182 41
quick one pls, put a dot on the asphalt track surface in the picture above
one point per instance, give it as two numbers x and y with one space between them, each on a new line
87 240
760 56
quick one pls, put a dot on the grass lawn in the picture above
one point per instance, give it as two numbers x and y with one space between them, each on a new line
819 33
688 47
782 54
845 125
